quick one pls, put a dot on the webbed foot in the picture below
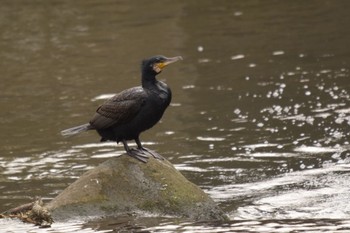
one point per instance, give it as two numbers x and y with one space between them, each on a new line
138 154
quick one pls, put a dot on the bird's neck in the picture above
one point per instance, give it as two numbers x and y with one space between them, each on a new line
149 80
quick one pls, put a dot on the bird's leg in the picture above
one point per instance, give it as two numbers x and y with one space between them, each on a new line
151 152
137 154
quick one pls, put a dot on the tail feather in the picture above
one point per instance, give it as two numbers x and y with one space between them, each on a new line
75 130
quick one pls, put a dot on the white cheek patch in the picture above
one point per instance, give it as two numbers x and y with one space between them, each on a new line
156 68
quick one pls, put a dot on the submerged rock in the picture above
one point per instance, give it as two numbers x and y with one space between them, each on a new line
123 185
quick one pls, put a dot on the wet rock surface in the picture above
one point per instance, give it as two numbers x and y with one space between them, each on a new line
123 185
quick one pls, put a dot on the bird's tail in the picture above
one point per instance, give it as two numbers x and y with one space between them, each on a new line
75 130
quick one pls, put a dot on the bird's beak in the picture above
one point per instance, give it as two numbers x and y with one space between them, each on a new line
168 61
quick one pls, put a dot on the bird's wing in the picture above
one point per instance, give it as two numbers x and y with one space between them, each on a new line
120 109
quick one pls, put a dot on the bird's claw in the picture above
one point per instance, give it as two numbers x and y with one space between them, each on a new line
153 153
142 154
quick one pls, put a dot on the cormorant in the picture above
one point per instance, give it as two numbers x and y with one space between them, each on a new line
130 112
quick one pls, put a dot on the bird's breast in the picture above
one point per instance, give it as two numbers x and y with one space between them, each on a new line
161 94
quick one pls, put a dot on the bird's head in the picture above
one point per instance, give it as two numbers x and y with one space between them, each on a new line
155 65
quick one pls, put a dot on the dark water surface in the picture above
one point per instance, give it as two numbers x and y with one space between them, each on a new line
260 116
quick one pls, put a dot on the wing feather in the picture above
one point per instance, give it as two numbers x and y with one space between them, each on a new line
120 109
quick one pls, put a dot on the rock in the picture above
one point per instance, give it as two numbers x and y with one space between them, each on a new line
123 185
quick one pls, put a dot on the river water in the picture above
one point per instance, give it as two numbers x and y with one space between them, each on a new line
260 116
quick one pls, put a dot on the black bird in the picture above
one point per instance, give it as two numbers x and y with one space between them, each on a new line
130 112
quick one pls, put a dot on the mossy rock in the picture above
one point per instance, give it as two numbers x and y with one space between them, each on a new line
123 185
